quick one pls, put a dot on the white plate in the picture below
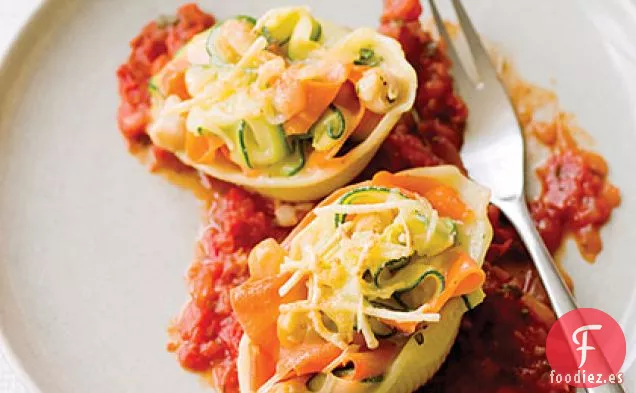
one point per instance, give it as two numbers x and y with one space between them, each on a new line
93 248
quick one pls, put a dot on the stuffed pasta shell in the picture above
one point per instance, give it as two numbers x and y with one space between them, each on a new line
367 293
287 105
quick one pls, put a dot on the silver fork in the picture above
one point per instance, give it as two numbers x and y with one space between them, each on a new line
493 154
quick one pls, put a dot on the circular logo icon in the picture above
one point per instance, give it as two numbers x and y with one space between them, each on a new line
586 348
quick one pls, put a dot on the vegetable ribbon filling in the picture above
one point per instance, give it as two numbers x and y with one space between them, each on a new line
363 272
261 96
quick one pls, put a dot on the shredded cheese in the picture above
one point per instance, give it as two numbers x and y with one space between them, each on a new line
250 55
338 263
434 217
365 328
367 208
341 358
304 306
291 283
401 316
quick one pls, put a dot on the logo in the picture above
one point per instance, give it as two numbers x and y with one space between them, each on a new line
586 348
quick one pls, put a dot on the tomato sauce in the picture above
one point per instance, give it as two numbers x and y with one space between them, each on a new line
150 51
500 347
576 198
437 135
206 334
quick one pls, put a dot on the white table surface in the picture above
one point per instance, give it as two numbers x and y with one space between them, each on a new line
13 14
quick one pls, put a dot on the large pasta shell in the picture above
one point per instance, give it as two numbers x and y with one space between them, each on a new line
425 351
320 176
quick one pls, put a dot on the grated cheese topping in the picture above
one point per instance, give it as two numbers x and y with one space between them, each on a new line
338 261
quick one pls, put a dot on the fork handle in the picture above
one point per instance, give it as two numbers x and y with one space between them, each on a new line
557 290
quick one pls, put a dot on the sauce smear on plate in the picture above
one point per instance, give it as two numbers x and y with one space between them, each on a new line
156 44
576 196
206 333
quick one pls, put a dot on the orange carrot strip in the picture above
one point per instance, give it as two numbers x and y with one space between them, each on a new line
463 277
172 79
404 327
311 216
255 304
356 72
444 199
319 94
174 84
202 149
448 203
321 159
262 366
415 184
347 98
307 358
353 112
370 363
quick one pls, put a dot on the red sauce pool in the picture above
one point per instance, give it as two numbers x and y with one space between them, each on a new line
576 198
206 333
150 51
500 347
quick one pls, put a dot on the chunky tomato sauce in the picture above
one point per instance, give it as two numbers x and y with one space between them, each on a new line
500 347
150 51
576 198
206 333
436 137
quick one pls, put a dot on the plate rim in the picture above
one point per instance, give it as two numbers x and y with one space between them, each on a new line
13 52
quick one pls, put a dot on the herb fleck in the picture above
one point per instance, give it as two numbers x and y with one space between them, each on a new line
375 379
164 21
368 57
467 303
419 338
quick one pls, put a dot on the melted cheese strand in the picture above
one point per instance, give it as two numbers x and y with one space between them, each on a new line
400 316
434 217
292 282
267 386
212 92
291 265
316 319
365 328
321 329
340 359
363 324
407 232
367 208
306 306
330 242
258 45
